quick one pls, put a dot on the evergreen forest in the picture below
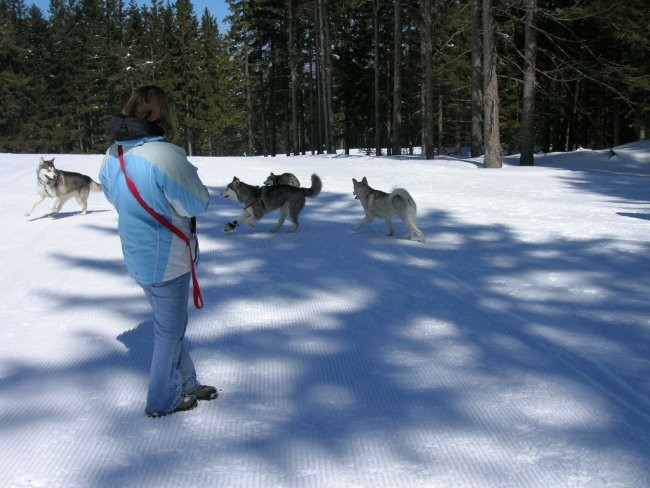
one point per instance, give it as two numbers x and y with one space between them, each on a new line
301 76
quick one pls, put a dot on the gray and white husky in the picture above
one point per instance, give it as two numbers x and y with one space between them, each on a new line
61 186
283 179
258 201
377 203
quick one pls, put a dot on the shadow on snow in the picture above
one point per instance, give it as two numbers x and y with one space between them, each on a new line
360 357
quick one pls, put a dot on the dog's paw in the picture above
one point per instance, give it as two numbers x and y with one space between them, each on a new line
230 226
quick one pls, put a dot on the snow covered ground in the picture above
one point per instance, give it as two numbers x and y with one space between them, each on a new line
511 350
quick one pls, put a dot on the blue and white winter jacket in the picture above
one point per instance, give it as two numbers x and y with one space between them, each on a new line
170 185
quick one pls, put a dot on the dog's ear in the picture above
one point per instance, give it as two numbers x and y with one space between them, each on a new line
235 181
354 182
42 160
364 181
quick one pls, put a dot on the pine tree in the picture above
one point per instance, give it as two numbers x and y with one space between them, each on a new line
476 79
397 78
493 152
528 110
297 74
426 30
13 78
210 109
33 135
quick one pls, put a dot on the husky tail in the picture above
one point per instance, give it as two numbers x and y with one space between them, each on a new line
405 207
402 202
316 187
94 186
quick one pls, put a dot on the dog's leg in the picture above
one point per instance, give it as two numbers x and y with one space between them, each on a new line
82 199
283 215
39 198
294 220
248 219
389 223
368 219
409 226
57 203
414 231
419 233
84 206
232 226
294 213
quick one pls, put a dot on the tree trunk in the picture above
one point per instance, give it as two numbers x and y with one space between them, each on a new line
493 154
477 81
326 73
249 107
572 119
291 50
427 85
440 125
397 80
527 157
188 130
317 106
377 78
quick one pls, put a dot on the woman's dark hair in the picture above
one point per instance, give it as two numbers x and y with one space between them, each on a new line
151 103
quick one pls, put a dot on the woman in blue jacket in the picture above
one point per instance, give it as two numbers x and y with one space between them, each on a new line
155 258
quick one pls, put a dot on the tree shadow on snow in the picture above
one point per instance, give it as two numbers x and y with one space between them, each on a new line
139 345
367 338
634 215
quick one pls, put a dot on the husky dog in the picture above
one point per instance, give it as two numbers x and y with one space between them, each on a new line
283 179
378 203
61 186
258 201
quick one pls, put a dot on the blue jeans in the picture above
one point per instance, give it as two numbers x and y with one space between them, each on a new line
172 372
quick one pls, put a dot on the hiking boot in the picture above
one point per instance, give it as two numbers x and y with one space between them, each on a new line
188 402
205 392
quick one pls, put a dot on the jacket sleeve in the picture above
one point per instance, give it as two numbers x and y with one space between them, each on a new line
180 182
105 179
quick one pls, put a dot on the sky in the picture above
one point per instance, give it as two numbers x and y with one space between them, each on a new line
510 350
218 8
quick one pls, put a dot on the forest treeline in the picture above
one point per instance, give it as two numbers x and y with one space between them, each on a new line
297 76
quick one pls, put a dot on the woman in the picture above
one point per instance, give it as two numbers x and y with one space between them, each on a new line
155 258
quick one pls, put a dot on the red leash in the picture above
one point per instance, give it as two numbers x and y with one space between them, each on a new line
198 297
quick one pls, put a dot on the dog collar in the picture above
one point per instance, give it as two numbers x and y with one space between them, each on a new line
252 203
256 200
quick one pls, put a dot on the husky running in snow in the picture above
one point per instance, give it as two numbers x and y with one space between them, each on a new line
61 186
258 201
283 179
377 203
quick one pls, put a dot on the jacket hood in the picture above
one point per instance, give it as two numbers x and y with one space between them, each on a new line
122 128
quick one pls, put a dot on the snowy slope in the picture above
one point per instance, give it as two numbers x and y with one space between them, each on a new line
511 350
